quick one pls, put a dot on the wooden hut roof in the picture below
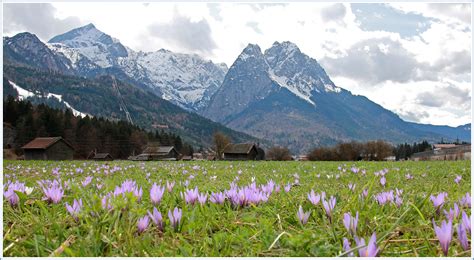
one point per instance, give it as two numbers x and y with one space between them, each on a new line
45 143
152 149
101 156
243 148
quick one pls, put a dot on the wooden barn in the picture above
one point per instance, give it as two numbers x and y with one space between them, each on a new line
102 157
243 151
155 152
48 148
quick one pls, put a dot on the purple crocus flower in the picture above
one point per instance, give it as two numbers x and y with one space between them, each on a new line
156 193
458 179
466 220
287 187
277 188
465 201
438 200
191 196
169 186
365 192
303 216
217 198
444 234
175 217
383 181
75 208
329 206
138 193
202 197
398 201
12 197
87 181
346 246
54 193
156 218
371 250
143 223
453 212
314 198
408 176
351 223
462 236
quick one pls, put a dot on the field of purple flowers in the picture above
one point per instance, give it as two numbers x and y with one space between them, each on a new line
121 208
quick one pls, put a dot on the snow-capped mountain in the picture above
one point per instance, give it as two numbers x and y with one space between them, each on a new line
254 75
26 48
285 96
99 47
184 79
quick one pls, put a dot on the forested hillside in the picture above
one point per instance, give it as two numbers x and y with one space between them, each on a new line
119 138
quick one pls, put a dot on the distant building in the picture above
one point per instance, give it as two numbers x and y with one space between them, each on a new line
448 152
154 152
102 157
243 151
198 156
48 148
443 146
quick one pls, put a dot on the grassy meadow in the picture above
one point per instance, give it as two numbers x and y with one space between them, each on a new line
107 223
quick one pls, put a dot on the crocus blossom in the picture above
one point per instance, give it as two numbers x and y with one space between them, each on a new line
75 208
303 216
350 222
175 217
438 200
444 234
156 193
156 218
217 198
143 224
462 236
314 198
371 250
329 206
346 246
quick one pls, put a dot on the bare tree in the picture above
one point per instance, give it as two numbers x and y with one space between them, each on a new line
279 153
220 142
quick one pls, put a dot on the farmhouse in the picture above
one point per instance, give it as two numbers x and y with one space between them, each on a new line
48 148
154 151
451 152
243 151
102 157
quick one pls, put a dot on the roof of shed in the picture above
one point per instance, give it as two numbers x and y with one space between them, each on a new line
243 148
44 142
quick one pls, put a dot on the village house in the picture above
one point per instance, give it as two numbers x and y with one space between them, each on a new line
243 151
48 148
154 151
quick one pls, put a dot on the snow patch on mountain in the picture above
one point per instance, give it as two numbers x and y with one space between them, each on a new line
282 81
24 94
184 79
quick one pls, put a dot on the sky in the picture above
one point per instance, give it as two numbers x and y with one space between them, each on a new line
411 58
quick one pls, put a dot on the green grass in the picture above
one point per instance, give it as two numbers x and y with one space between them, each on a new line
36 228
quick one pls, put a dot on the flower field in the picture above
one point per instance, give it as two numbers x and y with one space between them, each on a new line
122 208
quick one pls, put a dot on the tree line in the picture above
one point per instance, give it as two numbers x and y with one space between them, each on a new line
119 138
